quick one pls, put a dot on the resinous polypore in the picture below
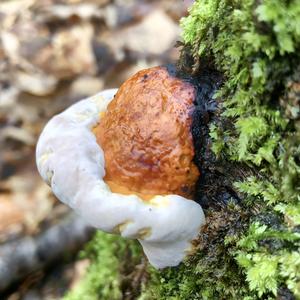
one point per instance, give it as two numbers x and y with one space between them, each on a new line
123 160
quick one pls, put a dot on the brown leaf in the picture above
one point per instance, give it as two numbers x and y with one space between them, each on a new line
10 214
70 53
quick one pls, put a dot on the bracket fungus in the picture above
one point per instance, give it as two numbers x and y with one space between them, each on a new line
123 159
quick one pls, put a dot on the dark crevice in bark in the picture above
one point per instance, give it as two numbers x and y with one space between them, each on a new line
214 188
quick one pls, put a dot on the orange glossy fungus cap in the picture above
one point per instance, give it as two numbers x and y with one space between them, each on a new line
146 138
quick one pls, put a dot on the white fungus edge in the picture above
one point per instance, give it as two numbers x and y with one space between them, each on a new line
72 163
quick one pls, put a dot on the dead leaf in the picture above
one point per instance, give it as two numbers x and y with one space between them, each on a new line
147 37
18 134
70 53
10 214
37 83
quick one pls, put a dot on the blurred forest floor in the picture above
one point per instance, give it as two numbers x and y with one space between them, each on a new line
52 54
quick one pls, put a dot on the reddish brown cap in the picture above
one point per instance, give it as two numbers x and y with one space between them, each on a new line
146 138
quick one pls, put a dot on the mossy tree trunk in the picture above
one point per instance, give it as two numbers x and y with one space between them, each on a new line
248 53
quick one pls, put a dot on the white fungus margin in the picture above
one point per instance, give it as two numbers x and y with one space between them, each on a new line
72 163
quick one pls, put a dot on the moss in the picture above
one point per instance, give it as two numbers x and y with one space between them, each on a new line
112 270
212 273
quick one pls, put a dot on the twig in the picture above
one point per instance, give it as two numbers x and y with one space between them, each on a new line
20 258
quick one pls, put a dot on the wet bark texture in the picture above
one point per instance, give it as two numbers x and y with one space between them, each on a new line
215 186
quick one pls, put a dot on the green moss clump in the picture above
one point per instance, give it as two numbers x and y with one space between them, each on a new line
113 262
